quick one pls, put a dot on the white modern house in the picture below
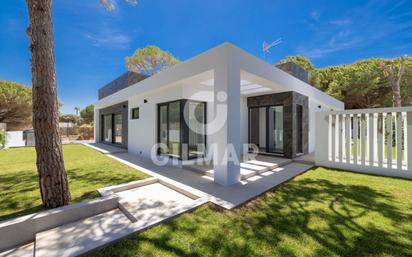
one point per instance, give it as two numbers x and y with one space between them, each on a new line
222 99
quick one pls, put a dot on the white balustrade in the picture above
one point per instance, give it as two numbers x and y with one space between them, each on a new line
376 141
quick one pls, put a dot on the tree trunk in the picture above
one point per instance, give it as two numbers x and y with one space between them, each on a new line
53 181
396 84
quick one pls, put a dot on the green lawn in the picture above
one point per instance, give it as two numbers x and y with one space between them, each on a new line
87 169
320 213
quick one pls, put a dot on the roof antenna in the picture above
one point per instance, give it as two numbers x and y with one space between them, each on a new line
266 47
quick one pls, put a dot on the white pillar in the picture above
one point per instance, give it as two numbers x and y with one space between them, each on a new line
322 138
227 138
96 125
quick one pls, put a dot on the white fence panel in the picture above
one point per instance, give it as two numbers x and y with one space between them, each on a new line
14 139
377 141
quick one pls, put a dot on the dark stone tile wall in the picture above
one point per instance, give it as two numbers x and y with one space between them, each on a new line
114 109
127 79
289 100
295 70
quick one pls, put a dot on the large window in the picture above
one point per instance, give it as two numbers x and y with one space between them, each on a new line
181 128
196 119
118 126
113 128
275 129
107 128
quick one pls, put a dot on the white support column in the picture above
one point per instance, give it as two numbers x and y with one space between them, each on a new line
322 138
227 138
97 128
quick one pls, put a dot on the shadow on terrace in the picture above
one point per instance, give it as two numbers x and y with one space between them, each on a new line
321 213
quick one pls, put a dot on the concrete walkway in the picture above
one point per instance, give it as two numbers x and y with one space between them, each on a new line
203 185
141 204
105 148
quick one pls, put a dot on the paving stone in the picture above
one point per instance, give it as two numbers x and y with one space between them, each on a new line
82 236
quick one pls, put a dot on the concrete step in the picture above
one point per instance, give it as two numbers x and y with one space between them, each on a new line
26 250
79 237
247 169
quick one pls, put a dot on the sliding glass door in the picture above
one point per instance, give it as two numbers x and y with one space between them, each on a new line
107 128
181 128
112 128
174 129
197 129
275 129
118 127
163 129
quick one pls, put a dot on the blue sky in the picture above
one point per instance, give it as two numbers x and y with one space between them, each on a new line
91 43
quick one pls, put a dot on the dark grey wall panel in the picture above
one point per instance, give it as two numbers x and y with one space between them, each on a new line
289 100
127 79
295 70
117 108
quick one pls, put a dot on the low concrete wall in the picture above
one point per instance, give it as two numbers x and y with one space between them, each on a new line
23 230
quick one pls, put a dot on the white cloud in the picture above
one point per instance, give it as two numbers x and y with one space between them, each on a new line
328 49
315 15
370 24
108 39
111 5
341 22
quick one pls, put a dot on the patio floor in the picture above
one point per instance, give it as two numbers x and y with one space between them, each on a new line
248 168
202 185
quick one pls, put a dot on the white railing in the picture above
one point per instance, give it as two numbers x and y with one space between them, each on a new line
377 141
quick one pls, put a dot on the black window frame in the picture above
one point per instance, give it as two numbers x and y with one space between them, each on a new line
113 141
132 113
184 128
267 126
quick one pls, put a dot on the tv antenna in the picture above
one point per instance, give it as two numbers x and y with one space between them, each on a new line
266 46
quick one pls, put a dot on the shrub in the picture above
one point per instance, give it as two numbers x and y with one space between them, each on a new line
2 138
86 132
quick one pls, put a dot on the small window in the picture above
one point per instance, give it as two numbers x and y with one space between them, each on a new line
135 113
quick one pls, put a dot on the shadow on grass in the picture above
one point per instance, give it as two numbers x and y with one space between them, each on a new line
303 217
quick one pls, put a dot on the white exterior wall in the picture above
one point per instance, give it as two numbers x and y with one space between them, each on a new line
142 132
316 106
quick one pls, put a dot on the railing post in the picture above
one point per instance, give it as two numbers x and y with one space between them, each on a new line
408 145
347 137
333 139
355 138
363 137
340 144
389 140
399 140
380 139
371 139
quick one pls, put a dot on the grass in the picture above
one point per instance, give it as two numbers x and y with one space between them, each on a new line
87 170
320 213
